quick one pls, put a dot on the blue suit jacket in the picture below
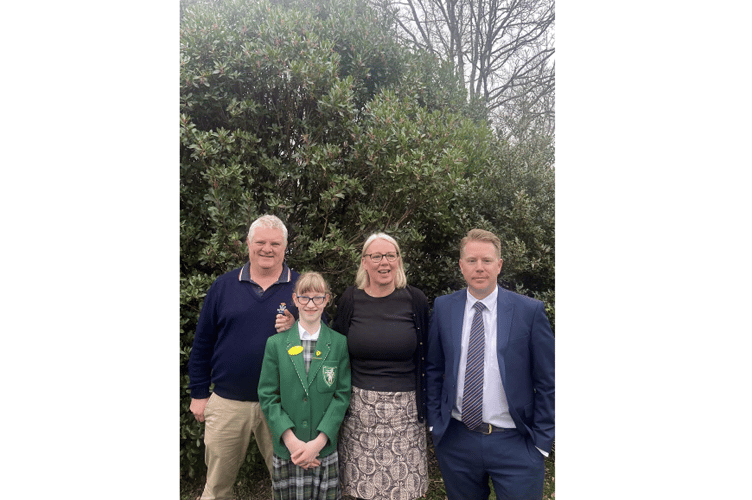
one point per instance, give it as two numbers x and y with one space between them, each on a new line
525 350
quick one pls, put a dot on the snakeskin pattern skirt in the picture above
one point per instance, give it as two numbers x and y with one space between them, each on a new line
382 447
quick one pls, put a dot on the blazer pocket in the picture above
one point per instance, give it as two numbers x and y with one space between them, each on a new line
328 377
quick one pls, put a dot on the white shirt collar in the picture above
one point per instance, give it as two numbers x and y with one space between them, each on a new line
489 301
305 335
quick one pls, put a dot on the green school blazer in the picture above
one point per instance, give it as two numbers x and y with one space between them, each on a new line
310 403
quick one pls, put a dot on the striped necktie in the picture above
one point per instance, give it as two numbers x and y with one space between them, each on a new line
472 397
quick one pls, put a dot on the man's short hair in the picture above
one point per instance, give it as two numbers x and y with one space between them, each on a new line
480 235
268 221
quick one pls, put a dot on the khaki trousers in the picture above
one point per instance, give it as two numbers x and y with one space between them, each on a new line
229 425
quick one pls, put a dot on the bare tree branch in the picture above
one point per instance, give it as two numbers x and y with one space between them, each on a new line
501 49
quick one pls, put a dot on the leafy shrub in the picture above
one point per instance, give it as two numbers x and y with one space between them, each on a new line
313 112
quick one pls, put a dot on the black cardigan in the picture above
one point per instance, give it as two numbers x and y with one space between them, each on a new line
341 324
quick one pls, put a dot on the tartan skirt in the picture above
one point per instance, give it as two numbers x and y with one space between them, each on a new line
290 482
382 447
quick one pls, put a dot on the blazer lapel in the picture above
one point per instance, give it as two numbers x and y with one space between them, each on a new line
323 345
293 340
458 316
504 313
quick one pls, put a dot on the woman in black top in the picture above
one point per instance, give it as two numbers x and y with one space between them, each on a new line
382 445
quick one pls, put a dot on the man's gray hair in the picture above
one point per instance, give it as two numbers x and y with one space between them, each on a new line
268 221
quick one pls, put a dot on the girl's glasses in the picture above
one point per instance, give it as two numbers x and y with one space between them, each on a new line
317 300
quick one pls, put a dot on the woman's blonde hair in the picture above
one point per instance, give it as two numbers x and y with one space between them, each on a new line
361 278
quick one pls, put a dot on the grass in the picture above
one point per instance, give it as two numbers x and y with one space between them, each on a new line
255 484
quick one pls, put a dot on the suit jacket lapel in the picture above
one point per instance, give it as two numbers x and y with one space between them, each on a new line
458 316
504 313
293 340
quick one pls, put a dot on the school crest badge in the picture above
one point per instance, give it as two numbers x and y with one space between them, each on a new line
329 374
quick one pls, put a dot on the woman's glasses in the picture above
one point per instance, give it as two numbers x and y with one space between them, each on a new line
376 257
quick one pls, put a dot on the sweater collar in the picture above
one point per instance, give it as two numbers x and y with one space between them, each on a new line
245 274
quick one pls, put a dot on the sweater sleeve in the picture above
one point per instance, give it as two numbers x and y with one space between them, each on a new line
199 363
421 312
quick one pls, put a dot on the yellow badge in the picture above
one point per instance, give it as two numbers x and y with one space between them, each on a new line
318 353
295 350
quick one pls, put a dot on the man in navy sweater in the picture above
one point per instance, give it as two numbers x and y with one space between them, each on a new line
238 315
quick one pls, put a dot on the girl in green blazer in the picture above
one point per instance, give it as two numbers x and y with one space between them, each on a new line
304 391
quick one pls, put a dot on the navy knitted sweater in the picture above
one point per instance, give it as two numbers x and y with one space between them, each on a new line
231 336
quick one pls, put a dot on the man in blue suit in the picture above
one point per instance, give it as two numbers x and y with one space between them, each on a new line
490 371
